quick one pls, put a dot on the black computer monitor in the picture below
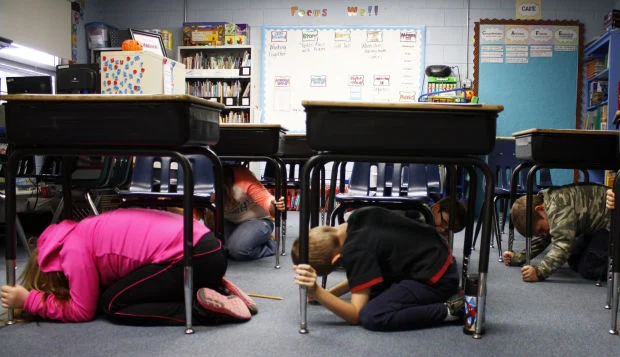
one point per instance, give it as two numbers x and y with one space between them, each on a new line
31 84
78 78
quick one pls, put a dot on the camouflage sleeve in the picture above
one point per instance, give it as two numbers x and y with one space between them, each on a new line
538 245
562 225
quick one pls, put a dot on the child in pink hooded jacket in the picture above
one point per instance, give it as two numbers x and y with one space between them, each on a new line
130 263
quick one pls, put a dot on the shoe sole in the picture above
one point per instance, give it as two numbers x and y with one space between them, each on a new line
231 306
235 290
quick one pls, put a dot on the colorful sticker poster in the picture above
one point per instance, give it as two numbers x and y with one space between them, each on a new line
529 9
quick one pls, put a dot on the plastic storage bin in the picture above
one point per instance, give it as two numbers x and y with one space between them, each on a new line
98 34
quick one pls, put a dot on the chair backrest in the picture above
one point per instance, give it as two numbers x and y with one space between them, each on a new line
502 161
359 182
165 175
417 180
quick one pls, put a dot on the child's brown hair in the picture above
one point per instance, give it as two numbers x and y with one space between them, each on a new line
323 244
518 210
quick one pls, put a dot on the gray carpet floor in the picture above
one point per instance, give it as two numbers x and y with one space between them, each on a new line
563 316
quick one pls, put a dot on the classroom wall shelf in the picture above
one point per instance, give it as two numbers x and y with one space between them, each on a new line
223 74
602 70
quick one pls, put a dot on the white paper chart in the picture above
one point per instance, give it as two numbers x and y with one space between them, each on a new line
358 63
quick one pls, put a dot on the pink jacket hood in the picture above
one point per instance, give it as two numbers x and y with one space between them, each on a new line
49 244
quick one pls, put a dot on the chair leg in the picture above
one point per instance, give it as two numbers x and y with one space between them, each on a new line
498 236
21 234
478 227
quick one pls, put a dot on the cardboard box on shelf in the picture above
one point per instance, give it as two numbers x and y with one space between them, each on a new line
203 33
237 34
140 72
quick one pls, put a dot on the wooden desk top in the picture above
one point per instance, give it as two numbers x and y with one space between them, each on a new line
111 98
405 106
564 131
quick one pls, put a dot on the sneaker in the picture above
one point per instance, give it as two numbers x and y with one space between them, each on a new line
456 308
235 290
231 306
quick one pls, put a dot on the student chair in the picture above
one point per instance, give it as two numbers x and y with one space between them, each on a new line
398 186
158 182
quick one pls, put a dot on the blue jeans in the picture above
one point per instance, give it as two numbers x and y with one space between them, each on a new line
249 240
409 304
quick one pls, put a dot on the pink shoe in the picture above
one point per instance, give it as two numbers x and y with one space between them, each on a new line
236 291
231 306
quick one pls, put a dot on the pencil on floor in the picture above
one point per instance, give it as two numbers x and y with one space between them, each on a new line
265 296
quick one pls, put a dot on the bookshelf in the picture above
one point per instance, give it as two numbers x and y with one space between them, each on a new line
602 70
602 84
223 74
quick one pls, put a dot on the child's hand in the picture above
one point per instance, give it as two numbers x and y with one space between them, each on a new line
305 276
508 257
611 199
280 204
528 273
13 296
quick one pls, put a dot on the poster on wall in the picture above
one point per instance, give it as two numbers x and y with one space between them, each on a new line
358 63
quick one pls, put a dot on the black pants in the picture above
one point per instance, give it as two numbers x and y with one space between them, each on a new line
589 256
154 294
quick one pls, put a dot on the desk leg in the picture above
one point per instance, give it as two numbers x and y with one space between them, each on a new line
485 247
304 223
10 222
281 236
469 229
280 183
615 253
188 238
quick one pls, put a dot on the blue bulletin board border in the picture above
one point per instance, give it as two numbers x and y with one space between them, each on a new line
267 29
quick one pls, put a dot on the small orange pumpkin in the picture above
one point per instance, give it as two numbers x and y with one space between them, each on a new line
131 45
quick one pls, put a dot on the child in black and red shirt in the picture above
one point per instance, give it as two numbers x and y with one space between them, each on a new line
400 272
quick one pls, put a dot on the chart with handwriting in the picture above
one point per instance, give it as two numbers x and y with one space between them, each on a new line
356 63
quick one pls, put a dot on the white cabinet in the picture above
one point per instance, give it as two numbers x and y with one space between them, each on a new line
223 74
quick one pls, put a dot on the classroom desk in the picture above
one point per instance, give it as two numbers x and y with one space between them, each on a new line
569 149
117 125
256 142
398 132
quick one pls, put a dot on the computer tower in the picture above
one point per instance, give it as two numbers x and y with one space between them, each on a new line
79 78
30 84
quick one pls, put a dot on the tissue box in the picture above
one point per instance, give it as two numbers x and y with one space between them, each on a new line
140 72
203 33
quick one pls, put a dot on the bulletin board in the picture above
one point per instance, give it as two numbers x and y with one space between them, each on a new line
533 68
358 63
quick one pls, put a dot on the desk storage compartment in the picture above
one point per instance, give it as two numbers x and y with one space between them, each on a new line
239 141
111 123
295 145
391 130
593 150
